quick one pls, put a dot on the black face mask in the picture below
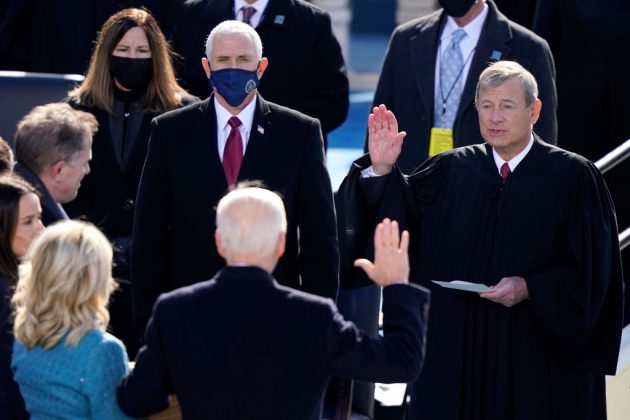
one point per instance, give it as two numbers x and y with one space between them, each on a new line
132 73
456 8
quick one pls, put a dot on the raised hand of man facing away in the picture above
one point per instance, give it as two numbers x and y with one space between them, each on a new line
391 259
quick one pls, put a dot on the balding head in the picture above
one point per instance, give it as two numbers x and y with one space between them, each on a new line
251 225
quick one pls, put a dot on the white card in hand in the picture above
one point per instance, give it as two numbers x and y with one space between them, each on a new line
464 285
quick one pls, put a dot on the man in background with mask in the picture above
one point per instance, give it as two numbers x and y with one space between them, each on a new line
308 73
432 66
199 152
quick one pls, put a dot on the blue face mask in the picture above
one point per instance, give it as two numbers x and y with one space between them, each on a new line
234 84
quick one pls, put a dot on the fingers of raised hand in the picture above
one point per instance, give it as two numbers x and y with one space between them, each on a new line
365 265
404 242
387 234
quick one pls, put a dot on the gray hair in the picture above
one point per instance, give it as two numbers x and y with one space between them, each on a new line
497 73
249 221
234 27
52 133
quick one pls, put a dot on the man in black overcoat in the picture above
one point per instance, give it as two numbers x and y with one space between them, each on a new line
186 173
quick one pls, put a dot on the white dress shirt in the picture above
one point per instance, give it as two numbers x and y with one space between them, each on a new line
259 5
223 128
513 163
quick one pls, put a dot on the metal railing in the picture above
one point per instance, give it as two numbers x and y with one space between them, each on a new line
624 238
608 162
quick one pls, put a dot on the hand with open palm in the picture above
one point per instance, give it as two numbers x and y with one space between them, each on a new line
391 259
384 140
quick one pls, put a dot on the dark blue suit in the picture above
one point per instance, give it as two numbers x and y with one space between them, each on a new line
241 346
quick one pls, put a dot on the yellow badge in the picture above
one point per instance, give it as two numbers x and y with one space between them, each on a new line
441 140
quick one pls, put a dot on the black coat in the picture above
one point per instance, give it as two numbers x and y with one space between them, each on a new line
306 69
108 193
183 180
240 346
407 81
11 402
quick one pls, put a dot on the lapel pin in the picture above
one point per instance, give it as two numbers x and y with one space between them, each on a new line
260 129
278 20
496 55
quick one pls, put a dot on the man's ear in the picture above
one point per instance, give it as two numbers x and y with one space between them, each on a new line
55 170
219 244
535 111
281 245
206 66
262 66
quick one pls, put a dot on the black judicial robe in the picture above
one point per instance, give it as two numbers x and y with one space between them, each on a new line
552 223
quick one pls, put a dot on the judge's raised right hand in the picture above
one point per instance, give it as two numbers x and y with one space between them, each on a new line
391 259
384 140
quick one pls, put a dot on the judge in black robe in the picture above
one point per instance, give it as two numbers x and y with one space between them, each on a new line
553 224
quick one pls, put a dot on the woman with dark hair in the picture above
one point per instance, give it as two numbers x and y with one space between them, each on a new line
20 223
129 81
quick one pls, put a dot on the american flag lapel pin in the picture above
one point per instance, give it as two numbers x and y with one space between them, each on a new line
260 129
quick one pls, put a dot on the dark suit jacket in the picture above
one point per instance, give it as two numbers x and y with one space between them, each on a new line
407 81
240 346
51 210
306 69
183 180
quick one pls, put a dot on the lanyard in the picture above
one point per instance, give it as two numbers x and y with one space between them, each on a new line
459 74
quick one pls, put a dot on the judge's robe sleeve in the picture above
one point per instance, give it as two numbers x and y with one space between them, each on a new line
580 297
362 203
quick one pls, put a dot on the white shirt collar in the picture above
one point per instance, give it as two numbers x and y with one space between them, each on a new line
513 163
246 115
259 5
473 30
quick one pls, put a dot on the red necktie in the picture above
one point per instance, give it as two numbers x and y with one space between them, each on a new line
233 152
505 171
248 12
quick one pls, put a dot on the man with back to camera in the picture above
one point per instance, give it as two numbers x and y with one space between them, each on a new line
197 152
531 220
53 149
241 346
432 66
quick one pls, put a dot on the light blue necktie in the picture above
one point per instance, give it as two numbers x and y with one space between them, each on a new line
450 85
